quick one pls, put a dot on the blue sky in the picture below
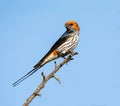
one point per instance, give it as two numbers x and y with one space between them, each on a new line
29 28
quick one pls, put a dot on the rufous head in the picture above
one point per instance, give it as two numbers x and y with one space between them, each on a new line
72 25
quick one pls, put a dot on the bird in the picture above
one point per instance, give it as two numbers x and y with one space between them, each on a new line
61 48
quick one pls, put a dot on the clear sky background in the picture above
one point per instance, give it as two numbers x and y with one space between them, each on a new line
28 28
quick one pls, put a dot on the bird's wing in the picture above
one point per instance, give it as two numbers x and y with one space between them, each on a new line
60 41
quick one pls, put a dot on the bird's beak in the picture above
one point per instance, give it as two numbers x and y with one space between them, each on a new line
67 26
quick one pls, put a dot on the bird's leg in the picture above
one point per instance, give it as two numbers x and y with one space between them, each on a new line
71 54
63 57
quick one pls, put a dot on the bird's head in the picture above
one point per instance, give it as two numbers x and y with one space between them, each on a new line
72 25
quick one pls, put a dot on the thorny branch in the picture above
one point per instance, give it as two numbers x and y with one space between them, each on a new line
46 78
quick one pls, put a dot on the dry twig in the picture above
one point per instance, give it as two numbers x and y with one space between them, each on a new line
46 78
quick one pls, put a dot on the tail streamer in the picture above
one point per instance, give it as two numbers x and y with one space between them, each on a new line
24 77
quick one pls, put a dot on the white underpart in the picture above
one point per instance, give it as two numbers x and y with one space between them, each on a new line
70 44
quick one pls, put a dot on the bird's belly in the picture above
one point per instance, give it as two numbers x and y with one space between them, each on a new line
68 45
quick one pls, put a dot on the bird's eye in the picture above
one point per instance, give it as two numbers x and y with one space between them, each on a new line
71 24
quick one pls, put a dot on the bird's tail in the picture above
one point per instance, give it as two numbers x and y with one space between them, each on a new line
48 57
36 67
24 77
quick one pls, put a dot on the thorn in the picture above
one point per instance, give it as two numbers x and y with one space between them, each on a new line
55 64
43 75
37 94
57 79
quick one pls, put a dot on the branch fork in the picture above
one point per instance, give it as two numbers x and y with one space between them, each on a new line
51 75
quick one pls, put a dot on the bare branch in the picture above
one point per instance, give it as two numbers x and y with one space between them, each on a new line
46 78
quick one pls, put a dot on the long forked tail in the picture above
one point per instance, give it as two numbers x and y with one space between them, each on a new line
41 63
36 67
24 77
